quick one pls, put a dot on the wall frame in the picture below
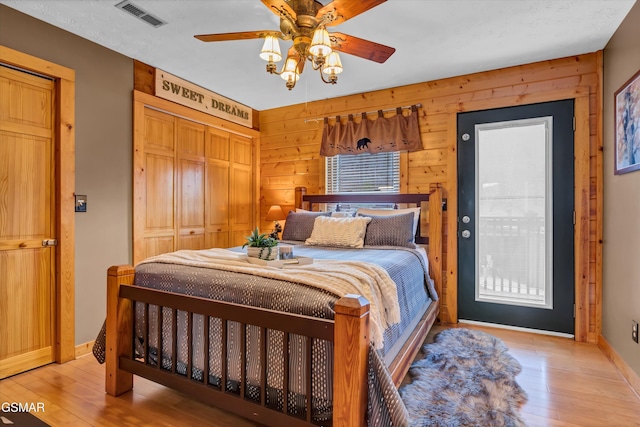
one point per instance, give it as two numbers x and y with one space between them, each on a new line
627 126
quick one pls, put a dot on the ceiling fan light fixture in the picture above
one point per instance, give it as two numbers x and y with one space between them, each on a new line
289 72
271 49
321 43
332 65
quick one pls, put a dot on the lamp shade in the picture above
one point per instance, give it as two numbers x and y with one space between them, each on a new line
290 70
275 214
321 44
332 65
271 49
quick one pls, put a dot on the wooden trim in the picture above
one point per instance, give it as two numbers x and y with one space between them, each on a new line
632 378
599 193
435 238
64 340
84 349
449 304
582 181
404 172
139 177
581 227
25 361
65 253
40 66
192 115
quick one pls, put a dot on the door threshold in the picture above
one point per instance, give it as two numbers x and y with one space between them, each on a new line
517 328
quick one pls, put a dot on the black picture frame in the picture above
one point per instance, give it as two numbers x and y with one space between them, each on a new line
626 140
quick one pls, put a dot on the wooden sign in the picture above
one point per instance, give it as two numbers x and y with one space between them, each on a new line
190 95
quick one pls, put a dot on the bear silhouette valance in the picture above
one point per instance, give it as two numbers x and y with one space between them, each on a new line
382 134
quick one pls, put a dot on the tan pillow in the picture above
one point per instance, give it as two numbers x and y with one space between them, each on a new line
343 232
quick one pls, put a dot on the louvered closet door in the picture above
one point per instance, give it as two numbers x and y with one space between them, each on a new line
27 217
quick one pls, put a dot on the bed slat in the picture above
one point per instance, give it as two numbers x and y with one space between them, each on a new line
243 359
224 356
263 366
189 345
206 350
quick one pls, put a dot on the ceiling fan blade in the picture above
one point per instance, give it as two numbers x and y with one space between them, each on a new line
280 8
242 35
347 9
359 47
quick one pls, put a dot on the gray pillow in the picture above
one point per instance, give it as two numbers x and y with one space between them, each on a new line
390 230
299 225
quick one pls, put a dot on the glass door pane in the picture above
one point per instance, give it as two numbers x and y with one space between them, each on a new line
514 212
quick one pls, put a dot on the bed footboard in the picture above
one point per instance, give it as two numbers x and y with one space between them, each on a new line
348 333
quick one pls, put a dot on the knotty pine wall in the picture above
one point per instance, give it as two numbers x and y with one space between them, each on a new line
289 154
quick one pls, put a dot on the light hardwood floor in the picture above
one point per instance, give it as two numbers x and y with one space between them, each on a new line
568 384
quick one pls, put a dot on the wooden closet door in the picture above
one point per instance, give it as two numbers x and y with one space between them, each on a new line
218 168
190 175
241 189
155 208
27 218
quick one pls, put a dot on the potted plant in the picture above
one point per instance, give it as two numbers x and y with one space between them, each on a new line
261 246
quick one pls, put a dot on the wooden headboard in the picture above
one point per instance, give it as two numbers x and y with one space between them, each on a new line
427 202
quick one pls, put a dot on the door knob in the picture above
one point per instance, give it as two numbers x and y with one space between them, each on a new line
466 234
466 219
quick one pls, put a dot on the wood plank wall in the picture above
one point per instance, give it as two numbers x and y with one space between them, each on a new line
289 154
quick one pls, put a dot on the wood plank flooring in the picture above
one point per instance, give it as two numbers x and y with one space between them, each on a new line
568 384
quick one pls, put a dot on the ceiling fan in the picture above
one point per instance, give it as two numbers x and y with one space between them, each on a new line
304 22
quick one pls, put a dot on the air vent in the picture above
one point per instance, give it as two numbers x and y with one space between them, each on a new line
140 13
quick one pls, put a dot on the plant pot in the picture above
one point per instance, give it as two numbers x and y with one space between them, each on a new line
267 254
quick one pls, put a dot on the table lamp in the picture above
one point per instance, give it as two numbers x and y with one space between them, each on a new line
276 214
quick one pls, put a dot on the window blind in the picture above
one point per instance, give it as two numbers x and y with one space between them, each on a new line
363 173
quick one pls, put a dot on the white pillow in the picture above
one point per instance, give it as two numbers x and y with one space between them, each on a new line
344 232
380 212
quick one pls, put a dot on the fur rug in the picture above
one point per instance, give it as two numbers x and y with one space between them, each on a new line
466 378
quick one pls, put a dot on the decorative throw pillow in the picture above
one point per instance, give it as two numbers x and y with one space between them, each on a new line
300 224
390 230
415 211
344 232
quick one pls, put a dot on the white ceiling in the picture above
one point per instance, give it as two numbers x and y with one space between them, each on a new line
434 39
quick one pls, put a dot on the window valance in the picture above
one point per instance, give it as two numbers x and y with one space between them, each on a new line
383 134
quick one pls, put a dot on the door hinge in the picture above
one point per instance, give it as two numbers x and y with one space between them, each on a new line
50 242
574 217
574 123
574 311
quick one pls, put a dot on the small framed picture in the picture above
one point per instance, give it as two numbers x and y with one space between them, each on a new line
627 126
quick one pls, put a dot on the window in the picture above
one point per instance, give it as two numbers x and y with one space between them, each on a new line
362 173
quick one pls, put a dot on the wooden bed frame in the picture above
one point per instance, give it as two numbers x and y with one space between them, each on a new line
349 332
